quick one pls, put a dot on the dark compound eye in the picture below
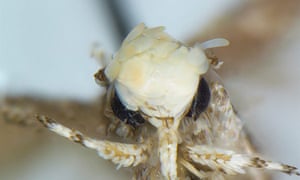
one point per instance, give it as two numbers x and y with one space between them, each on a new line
132 118
201 100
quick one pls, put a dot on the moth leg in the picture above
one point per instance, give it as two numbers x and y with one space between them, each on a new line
229 162
124 155
191 168
228 127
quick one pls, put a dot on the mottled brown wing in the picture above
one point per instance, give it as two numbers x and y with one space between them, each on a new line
87 117
21 133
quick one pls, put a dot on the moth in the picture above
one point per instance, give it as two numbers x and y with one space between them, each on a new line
174 114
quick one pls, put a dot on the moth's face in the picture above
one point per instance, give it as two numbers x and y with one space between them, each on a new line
154 74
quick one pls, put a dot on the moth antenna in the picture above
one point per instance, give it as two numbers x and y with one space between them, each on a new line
213 43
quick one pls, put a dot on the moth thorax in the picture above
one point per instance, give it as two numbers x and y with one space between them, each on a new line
155 74
156 89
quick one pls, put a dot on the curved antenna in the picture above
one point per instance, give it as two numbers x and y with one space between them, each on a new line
213 43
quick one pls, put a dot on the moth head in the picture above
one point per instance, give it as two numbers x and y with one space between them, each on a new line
155 74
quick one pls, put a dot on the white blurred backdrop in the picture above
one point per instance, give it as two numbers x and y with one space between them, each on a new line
45 51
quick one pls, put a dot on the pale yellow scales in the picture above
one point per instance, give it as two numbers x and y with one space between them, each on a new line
157 76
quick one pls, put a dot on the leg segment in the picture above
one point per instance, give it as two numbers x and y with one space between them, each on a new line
229 162
124 155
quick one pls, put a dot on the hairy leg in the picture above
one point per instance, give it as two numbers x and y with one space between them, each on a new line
124 155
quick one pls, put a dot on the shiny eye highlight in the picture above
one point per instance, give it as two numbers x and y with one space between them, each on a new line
200 101
132 118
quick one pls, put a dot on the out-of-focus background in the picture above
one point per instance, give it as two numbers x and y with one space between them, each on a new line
45 51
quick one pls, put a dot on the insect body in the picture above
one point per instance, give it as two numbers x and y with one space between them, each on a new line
162 92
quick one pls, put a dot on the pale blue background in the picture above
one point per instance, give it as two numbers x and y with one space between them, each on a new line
45 50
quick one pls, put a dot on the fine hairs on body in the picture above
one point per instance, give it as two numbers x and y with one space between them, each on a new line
167 101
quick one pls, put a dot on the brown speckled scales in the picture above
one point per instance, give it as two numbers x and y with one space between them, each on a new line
169 145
